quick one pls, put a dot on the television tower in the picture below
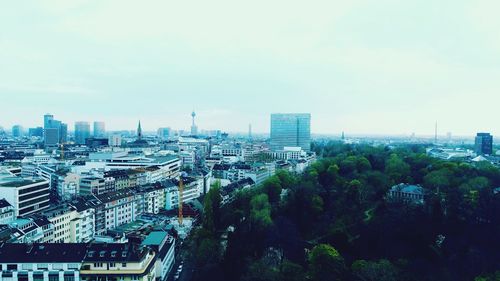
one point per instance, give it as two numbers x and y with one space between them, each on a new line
194 129
436 133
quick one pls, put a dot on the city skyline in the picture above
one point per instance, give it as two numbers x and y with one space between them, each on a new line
347 64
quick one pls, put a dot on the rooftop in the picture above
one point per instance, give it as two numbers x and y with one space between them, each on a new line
18 182
155 238
40 253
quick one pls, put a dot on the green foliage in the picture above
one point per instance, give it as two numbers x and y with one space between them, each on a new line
211 208
325 263
340 200
397 169
291 272
383 270
260 213
272 187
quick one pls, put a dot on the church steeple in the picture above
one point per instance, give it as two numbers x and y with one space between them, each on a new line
139 131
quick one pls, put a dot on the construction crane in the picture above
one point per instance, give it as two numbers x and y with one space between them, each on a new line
181 190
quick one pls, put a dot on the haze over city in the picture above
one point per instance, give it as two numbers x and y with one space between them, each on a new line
364 67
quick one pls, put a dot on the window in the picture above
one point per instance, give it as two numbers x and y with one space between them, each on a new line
124 264
12 267
112 264
54 276
43 266
38 276
22 276
69 276
73 266
27 266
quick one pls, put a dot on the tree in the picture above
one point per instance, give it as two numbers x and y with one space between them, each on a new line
291 272
363 164
211 208
260 211
317 204
383 270
397 169
325 264
272 186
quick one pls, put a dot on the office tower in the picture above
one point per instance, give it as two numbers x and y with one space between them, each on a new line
291 130
484 143
99 129
250 131
17 131
47 118
63 133
194 128
26 195
55 131
82 132
51 136
164 133
35 132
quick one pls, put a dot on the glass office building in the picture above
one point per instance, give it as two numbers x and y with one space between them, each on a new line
291 130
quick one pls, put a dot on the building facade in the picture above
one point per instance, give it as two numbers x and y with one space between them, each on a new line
291 130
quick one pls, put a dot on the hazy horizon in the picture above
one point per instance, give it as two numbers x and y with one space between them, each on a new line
363 67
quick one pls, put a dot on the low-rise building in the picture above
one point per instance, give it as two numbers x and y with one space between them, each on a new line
26 195
6 212
164 245
41 262
125 262
407 193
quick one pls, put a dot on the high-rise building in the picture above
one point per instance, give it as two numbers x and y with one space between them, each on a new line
51 136
164 133
63 133
291 130
35 132
249 131
47 118
55 131
484 143
99 129
17 131
82 132
194 128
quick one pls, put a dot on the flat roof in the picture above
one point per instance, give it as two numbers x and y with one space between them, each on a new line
18 182
155 238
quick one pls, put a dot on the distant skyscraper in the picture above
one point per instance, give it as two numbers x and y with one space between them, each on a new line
17 131
164 133
35 132
291 130
250 131
63 133
55 131
51 136
47 118
82 132
194 128
99 129
484 143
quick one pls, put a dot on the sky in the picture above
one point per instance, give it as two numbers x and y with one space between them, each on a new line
359 66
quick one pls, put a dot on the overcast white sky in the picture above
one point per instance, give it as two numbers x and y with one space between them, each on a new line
362 66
